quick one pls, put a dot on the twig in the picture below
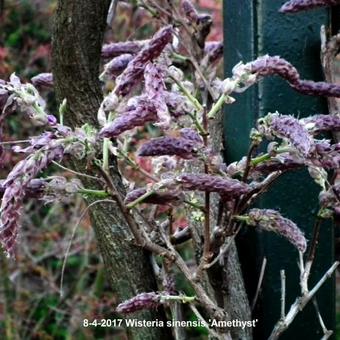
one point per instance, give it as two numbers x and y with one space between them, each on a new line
327 333
223 249
300 304
200 317
72 237
248 163
76 172
311 255
259 283
283 294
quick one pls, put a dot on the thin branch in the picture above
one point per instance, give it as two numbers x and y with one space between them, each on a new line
327 333
283 294
76 172
300 304
72 237
259 283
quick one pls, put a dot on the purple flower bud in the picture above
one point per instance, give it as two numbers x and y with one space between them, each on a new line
177 104
330 199
139 302
117 65
326 155
189 11
302 5
322 123
271 220
135 69
169 146
35 188
155 92
191 134
214 51
290 128
226 187
127 47
52 120
144 112
267 66
160 197
43 80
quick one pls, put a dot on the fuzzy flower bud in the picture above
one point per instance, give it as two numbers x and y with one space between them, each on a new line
127 47
144 112
214 51
135 69
169 146
43 80
139 302
116 66
289 128
326 155
35 188
302 5
226 187
267 66
191 134
271 220
321 123
163 163
178 105
189 11
155 92
25 97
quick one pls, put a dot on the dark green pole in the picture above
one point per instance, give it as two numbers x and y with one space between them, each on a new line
254 28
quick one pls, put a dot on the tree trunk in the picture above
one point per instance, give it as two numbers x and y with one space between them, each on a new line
77 40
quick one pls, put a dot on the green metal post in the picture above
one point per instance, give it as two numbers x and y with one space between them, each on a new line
254 28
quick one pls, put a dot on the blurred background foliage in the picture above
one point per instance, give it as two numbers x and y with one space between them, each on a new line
31 306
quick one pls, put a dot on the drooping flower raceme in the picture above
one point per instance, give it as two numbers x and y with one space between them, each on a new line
169 146
118 48
26 98
135 69
139 114
43 80
116 66
155 91
43 150
268 65
289 128
302 5
139 302
16 184
228 188
272 220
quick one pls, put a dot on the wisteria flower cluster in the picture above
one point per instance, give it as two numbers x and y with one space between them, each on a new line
157 122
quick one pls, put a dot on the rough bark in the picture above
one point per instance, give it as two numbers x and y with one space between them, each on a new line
77 41
227 277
